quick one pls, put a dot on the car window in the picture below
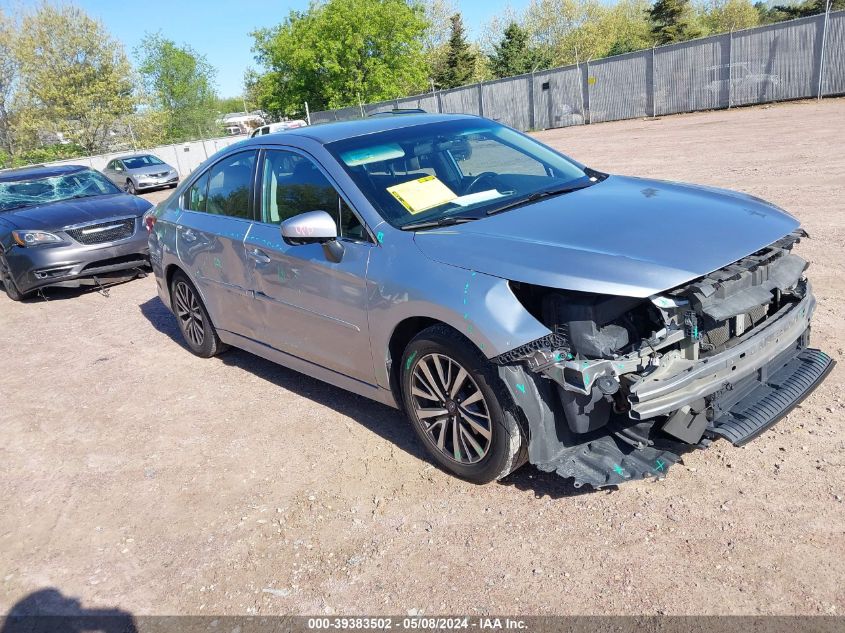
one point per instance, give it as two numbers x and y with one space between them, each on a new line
110 165
482 154
197 195
229 185
85 183
137 162
293 184
460 168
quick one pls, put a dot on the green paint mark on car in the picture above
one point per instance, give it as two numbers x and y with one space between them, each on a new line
218 263
521 387
410 360
380 237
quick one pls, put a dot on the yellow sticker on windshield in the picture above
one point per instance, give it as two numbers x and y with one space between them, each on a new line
422 194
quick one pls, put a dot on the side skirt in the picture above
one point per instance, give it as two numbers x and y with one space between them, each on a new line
373 392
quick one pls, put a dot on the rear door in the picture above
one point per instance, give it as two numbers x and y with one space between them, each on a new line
217 215
310 307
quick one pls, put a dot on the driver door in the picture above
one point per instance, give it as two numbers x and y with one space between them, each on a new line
307 305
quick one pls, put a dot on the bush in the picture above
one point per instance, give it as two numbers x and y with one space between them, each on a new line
47 154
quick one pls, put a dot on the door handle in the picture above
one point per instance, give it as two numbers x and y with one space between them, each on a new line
189 235
259 256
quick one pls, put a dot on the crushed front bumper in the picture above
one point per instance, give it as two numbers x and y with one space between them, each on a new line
740 392
682 382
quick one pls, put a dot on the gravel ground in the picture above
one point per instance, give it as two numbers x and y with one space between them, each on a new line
135 475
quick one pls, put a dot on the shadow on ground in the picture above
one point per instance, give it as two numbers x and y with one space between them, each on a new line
48 610
385 421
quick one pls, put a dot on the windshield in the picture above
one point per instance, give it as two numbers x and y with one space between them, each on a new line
28 193
141 161
454 169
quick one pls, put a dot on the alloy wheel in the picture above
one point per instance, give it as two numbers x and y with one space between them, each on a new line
189 313
451 409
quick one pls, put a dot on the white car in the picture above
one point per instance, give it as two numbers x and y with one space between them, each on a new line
278 127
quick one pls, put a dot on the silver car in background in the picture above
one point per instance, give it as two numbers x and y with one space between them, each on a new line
140 172
515 304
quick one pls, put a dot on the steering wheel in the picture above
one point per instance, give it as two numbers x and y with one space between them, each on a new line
479 178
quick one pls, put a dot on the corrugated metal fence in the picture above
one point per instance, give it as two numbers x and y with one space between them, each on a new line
798 59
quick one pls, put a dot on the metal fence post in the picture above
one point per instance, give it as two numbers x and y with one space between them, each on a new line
653 82
821 51
730 68
585 95
531 121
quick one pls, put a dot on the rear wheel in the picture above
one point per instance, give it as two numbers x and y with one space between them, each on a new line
193 319
8 283
459 408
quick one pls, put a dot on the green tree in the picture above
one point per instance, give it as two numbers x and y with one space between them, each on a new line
339 52
513 55
460 66
181 83
74 77
567 31
809 7
9 67
674 21
231 104
723 16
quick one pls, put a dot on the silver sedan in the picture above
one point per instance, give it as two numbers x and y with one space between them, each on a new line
515 304
140 172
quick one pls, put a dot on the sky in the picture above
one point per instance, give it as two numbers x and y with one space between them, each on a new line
220 30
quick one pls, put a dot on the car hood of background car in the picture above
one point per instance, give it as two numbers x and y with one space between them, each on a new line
152 169
56 215
622 236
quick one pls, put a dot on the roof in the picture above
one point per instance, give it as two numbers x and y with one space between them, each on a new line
39 171
138 155
331 132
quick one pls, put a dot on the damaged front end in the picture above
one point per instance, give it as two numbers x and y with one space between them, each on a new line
623 386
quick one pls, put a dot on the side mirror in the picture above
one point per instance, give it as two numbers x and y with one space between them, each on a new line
313 227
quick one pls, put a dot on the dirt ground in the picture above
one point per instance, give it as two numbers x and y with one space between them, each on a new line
135 475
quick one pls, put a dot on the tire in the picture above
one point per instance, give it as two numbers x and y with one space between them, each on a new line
129 188
8 283
192 317
480 404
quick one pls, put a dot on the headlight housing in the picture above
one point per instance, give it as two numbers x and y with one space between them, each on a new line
35 238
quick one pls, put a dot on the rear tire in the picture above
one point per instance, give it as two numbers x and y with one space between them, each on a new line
8 283
459 407
192 317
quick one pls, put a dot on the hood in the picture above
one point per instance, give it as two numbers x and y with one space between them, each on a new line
622 236
151 169
57 215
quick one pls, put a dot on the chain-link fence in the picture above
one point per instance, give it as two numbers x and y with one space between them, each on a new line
802 58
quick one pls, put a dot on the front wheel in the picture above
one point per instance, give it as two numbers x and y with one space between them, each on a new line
129 188
8 283
193 319
459 408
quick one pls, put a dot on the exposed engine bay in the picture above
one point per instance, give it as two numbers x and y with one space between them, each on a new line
625 385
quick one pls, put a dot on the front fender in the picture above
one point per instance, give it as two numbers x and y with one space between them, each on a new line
403 283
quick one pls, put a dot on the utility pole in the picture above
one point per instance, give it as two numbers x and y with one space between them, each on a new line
132 134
